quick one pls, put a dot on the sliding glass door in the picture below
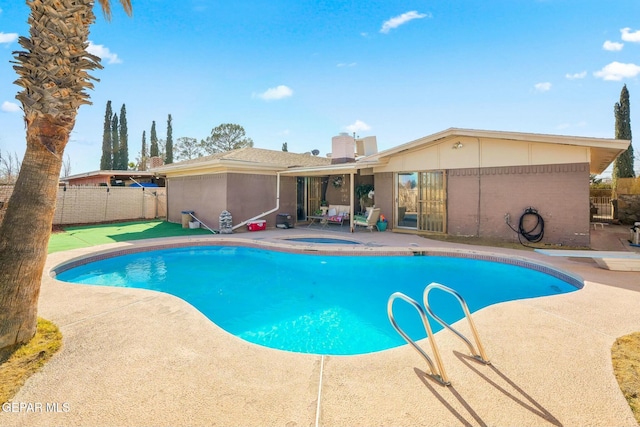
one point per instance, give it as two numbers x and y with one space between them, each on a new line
432 202
308 196
314 193
421 201
301 198
407 200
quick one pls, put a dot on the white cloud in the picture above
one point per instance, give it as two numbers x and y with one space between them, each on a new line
10 107
617 71
396 21
342 64
357 126
629 36
104 53
8 37
575 76
278 92
612 46
542 87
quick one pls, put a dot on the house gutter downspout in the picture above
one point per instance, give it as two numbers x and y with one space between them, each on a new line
264 213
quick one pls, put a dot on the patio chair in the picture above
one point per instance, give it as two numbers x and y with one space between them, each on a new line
370 221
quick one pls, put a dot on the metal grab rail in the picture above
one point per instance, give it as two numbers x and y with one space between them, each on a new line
438 372
478 355
205 225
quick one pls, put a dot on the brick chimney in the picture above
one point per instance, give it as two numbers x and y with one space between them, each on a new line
343 149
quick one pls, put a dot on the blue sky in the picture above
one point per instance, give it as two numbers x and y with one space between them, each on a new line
301 71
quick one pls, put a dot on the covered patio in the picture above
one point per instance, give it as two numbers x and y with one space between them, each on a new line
345 188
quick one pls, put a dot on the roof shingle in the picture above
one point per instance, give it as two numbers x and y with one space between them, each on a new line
258 156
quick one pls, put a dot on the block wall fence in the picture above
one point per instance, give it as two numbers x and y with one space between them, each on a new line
87 205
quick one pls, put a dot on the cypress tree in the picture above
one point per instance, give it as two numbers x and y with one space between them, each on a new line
115 142
153 138
623 165
124 140
106 161
284 147
169 144
143 152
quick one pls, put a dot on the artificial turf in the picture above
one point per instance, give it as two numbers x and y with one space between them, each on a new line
91 235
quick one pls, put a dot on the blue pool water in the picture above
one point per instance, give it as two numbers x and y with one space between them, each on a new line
315 303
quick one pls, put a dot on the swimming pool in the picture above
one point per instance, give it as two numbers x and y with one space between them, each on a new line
321 304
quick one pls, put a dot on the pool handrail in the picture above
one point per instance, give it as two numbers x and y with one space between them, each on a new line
437 373
479 355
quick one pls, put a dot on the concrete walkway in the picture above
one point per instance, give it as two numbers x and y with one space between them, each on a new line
135 357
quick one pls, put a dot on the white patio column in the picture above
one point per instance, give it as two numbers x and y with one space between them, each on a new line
351 194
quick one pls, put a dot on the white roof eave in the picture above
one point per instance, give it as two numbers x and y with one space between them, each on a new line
334 169
603 143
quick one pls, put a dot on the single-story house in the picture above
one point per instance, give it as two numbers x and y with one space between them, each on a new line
458 182
245 182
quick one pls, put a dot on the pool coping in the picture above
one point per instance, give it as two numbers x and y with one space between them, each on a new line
328 249
558 372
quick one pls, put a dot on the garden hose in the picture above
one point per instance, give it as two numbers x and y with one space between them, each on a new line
535 233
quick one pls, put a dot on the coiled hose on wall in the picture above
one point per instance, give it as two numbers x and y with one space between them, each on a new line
535 233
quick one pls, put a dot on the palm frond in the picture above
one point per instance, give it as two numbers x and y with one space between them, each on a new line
106 7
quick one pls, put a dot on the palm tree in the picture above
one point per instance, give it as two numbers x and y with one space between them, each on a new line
53 73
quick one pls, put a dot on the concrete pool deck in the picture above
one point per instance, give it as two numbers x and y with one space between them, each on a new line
136 357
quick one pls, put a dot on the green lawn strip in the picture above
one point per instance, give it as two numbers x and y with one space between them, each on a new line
92 235
28 359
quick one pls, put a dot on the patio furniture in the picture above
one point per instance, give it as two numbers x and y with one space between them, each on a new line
337 214
370 221
317 219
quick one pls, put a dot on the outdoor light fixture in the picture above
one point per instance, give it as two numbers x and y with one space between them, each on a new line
457 145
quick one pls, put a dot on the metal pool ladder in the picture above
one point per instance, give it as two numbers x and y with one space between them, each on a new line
437 371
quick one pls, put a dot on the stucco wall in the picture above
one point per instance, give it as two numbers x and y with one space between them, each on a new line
288 203
203 194
243 195
252 194
383 196
340 195
479 199
484 152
